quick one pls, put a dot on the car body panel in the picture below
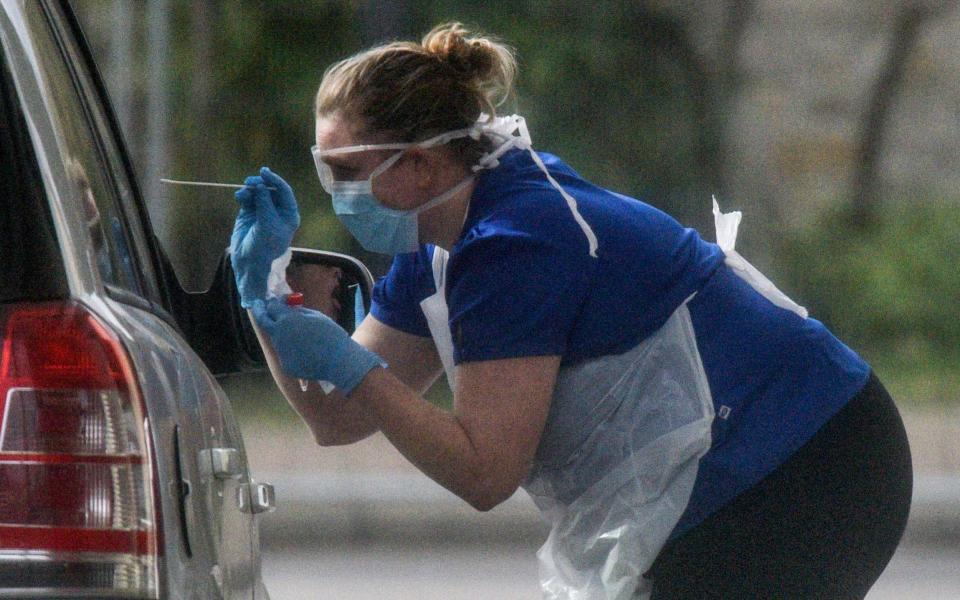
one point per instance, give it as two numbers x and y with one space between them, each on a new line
209 538
184 400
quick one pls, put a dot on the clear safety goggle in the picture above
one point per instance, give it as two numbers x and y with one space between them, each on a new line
325 172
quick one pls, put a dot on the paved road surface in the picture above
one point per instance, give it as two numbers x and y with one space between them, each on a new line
509 573
367 491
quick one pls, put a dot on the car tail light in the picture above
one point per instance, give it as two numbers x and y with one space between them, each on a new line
77 495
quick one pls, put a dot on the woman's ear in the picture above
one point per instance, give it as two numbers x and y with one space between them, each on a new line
425 165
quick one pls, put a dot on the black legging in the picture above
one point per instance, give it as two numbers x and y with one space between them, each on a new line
823 525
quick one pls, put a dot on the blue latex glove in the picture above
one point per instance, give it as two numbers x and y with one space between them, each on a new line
310 345
262 232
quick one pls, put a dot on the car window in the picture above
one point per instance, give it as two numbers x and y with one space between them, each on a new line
86 157
113 151
30 264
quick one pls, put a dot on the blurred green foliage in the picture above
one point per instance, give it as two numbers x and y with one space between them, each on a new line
609 87
266 61
598 89
891 290
593 88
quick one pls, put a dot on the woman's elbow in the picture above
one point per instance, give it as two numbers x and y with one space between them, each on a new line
489 495
327 440
485 503
329 436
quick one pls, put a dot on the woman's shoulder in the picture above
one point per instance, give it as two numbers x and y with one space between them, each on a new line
521 223
411 272
517 172
517 203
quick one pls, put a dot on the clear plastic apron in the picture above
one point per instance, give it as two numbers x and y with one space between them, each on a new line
438 316
621 447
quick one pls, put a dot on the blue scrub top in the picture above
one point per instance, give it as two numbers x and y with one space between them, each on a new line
521 282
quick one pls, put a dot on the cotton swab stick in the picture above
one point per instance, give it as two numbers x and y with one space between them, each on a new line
208 184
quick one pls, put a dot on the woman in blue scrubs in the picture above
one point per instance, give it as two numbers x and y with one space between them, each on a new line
687 430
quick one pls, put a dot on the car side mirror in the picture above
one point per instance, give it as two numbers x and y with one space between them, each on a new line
337 285
219 330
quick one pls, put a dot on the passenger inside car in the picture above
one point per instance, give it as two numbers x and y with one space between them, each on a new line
320 285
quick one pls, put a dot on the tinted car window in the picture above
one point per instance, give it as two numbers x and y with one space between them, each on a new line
113 153
30 265
86 161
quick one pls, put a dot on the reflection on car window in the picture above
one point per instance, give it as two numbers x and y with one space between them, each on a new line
91 186
108 243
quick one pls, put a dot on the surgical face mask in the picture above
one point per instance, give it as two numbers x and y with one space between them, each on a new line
377 227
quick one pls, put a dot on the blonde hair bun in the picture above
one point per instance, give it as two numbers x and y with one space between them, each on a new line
483 63
410 91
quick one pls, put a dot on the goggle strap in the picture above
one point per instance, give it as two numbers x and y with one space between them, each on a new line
437 140
362 148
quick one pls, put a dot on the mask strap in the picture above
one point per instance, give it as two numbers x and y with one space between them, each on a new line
384 166
444 196
503 130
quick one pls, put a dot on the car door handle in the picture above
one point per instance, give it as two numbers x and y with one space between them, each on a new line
256 498
263 498
223 463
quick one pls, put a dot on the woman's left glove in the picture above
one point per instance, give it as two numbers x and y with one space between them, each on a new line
262 232
310 345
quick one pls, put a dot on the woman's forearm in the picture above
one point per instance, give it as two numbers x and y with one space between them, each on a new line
334 419
482 449
434 440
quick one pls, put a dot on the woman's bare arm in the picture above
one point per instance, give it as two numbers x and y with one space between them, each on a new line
484 448
335 419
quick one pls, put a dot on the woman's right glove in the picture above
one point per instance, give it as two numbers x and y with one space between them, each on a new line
262 232
310 345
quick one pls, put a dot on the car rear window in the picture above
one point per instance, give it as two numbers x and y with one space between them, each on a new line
30 263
